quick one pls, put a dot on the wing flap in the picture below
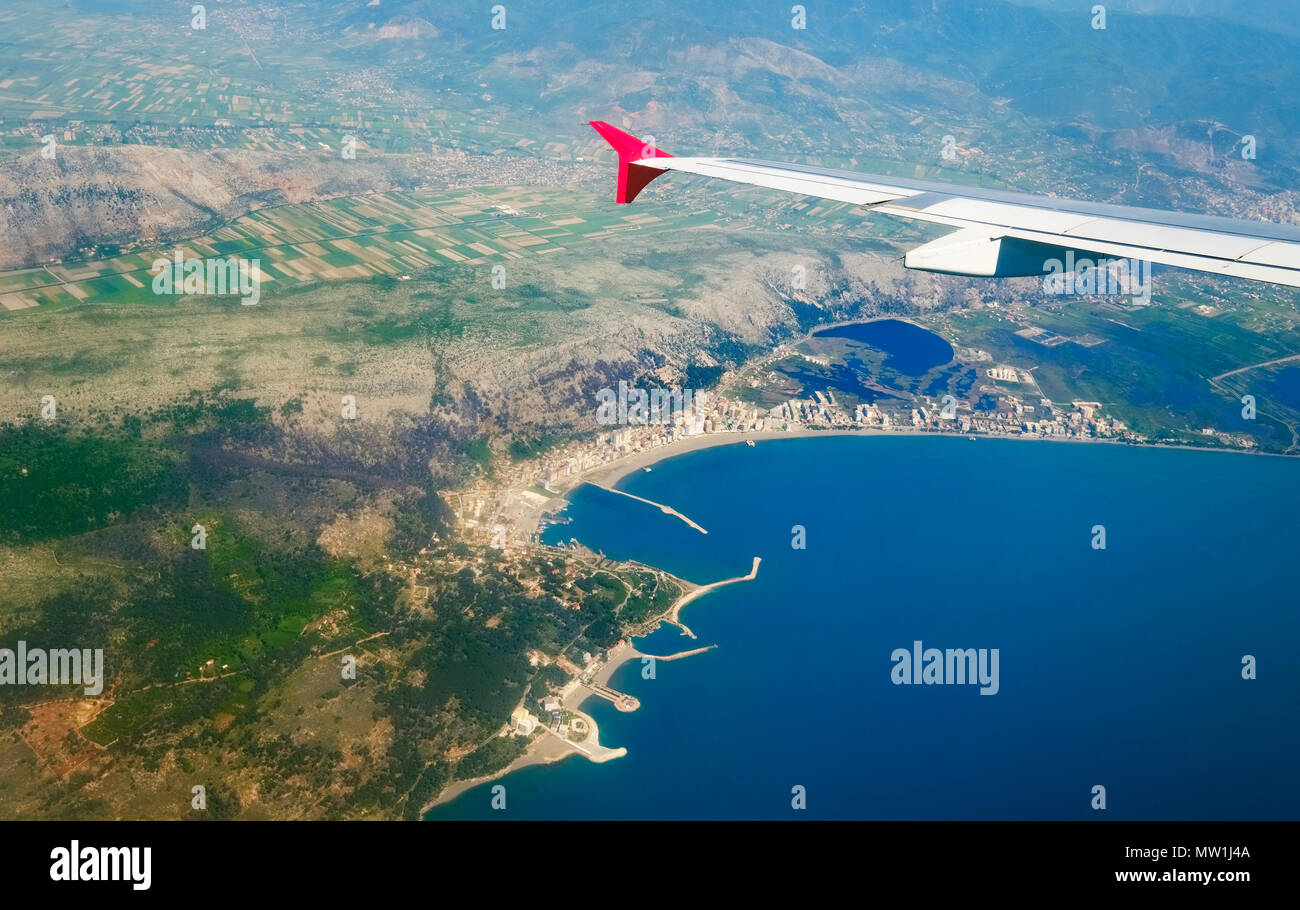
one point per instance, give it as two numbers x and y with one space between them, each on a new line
1194 262
1163 237
1285 255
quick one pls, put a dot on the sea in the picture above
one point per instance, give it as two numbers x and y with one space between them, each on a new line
1121 667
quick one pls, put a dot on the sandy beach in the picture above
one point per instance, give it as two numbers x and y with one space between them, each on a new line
546 750
610 474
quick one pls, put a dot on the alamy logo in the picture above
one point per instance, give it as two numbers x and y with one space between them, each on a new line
630 405
57 667
211 277
953 667
75 863
1105 277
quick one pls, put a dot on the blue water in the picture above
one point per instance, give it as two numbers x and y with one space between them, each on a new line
1119 667
912 350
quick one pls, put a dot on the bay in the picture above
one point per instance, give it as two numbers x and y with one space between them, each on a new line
1118 667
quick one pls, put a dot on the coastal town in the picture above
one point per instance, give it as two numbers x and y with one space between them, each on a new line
511 509
507 513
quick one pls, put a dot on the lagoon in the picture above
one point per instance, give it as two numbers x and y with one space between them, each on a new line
912 350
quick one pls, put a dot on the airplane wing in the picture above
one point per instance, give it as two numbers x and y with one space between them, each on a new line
999 233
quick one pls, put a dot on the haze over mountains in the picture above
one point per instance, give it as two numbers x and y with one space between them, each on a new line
1151 110
1263 16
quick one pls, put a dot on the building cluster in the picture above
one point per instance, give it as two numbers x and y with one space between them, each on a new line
514 507
711 415
821 409
1003 415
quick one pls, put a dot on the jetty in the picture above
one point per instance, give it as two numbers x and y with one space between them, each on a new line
675 613
622 701
680 654
667 510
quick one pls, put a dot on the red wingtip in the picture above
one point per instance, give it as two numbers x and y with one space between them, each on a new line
632 178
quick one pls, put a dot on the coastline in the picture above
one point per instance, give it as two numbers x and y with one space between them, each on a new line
688 714
614 471
545 751
673 616
550 748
